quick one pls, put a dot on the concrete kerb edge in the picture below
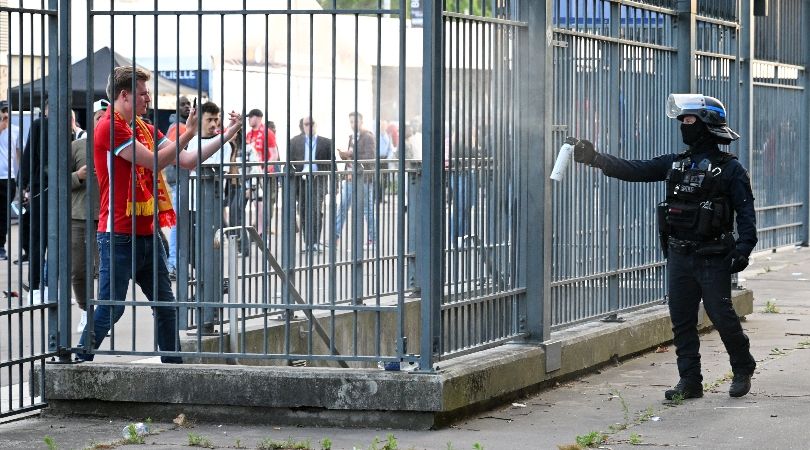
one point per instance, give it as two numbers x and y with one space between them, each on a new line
357 397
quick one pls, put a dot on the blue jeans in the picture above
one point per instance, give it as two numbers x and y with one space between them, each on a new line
366 195
172 261
120 247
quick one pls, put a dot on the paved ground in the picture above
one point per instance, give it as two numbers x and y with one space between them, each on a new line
624 402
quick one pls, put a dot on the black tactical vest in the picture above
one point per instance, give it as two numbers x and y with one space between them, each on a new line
697 206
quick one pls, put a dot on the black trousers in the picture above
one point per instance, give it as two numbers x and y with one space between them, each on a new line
39 237
692 277
311 192
7 190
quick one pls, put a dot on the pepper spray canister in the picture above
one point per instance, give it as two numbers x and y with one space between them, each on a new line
563 158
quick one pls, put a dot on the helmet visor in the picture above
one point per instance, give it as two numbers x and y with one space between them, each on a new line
678 103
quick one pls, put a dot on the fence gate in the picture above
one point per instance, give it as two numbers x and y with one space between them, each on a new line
482 78
29 312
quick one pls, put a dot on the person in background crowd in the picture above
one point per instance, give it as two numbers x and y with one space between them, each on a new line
78 132
82 206
364 148
34 185
171 173
309 147
263 142
9 155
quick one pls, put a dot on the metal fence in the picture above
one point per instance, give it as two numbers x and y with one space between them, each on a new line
448 241
779 132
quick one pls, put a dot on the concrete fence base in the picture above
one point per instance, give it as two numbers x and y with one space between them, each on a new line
322 396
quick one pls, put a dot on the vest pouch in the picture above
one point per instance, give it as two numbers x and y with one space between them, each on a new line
682 216
719 246
705 222
722 219
661 216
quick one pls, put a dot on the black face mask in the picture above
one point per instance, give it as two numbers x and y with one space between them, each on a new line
694 133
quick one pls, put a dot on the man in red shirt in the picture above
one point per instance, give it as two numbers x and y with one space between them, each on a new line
263 142
127 154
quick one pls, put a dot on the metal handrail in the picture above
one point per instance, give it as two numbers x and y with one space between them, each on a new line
254 236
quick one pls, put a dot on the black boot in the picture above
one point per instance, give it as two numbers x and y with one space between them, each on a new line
740 385
686 389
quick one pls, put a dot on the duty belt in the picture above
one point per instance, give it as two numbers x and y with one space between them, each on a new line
683 245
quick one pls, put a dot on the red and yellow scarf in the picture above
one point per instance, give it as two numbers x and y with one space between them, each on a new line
144 202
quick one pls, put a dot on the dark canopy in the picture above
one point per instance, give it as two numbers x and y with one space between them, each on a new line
103 60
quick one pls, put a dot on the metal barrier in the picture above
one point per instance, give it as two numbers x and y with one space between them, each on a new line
779 134
611 79
326 254
28 310
480 306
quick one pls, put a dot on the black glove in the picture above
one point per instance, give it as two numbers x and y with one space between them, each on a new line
737 261
585 153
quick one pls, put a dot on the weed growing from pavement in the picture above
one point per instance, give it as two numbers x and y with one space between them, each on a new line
132 435
677 399
326 444
804 344
776 351
195 440
625 408
289 444
770 307
645 415
635 438
716 383
592 439
478 446
50 443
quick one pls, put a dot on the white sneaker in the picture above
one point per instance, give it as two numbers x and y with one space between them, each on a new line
82 322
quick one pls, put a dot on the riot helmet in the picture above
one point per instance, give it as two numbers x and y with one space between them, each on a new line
709 110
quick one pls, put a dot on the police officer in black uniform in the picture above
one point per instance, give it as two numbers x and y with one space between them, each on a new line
706 190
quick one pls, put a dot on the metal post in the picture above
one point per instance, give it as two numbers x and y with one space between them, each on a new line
412 257
233 319
209 285
805 163
614 81
745 57
535 262
58 194
431 188
686 41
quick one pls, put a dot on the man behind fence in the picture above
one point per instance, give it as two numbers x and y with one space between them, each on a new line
9 155
129 198
308 147
705 188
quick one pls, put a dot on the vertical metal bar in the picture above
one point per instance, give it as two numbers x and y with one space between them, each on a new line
431 188
91 182
401 180
614 188
232 294
686 42
155 174
534 267
55 134
287 206
804 237
333 273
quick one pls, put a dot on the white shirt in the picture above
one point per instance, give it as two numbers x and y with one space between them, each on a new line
223 154
5 173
